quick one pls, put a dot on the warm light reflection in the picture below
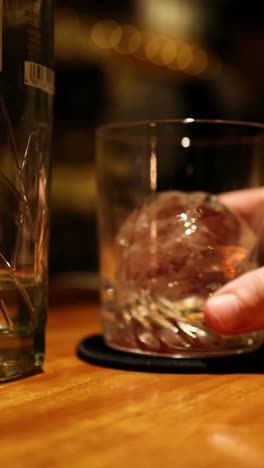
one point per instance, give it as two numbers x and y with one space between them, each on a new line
152 47
168 52
186 142
115 37
153 168
238 447
199 62
184 56
127 40
153 242
134 41
139 53
101 33
153 186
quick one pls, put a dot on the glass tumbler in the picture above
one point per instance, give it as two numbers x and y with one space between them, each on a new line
26 103
168 239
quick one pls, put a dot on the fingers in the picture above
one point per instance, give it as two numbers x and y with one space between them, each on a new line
238 307
248 203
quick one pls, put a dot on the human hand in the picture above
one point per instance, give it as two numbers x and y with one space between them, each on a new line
238 307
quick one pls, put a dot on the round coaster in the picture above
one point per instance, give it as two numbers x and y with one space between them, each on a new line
92 349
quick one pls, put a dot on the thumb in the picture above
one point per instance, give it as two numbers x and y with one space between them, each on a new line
238 307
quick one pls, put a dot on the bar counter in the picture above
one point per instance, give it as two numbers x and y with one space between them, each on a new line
76 414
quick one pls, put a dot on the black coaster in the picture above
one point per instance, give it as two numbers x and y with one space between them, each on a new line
92 349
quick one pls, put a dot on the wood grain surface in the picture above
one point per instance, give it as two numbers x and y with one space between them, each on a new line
78 415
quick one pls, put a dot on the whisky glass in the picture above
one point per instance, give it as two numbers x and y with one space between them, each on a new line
168 240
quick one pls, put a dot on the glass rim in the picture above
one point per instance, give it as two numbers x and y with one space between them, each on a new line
152 123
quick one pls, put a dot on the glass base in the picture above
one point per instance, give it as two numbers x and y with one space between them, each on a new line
164 328
19 357
186 354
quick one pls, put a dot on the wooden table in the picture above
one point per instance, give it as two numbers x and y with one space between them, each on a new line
79 415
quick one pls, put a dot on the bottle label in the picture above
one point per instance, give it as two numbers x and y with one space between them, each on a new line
37 71
38 76
26 47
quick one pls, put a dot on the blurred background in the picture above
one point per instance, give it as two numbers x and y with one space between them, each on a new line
118 60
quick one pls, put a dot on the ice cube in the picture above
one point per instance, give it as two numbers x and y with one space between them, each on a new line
180 244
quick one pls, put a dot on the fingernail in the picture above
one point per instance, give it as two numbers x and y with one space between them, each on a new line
223 313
